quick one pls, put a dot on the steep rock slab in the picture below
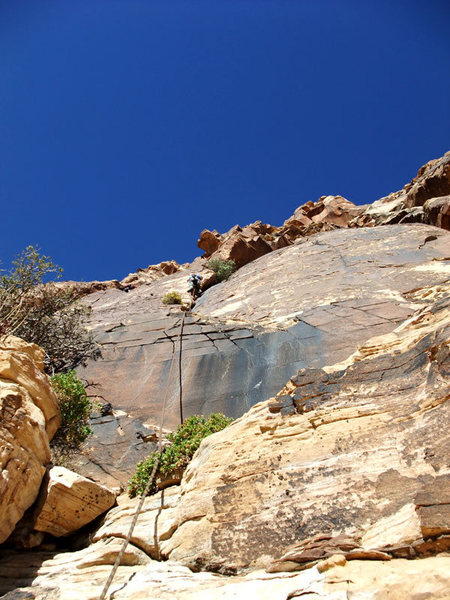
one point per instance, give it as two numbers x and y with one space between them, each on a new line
69 501
354 449
28 411
307 305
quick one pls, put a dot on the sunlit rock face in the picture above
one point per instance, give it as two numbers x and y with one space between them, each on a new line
306 305
343 475
357 448
69 501
29 416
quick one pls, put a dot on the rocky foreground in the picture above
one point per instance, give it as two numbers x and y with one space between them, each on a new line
330 346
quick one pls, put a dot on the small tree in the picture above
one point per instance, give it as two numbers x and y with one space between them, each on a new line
222 268
75 407
44 313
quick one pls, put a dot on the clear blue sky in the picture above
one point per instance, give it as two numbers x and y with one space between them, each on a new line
128 126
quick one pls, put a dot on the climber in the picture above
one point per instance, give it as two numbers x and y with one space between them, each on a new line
194 286
128 287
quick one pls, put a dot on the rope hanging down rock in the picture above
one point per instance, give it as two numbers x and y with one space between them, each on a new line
155 466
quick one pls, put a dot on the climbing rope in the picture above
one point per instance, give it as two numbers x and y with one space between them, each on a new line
155 466
180 380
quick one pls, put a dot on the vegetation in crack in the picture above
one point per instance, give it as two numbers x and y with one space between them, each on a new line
175 457
172 297
222 268
76 408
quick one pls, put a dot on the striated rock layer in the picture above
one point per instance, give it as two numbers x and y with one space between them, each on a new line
306 305
358 448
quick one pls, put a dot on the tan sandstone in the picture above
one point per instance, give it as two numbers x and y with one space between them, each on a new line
70 501
29 415
82 574
347 449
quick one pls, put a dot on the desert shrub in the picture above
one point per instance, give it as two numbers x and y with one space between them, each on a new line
44 312
172 298
222 268
75 407
184 442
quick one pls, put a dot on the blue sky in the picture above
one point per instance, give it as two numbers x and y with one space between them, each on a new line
128 126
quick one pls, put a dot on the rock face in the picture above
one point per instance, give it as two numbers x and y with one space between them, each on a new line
29 417
437 212
69 501
305 305
357 448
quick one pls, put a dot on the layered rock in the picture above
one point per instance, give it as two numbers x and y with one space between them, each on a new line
305 305
75 575
152 273
243 245
420 201
29 418
357 448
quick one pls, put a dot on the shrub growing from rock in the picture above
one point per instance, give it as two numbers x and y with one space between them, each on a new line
222 268
75 407
172 297
184 442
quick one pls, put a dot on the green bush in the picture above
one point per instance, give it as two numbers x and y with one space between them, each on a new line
222 268
184 442
75 407
44 313
172 298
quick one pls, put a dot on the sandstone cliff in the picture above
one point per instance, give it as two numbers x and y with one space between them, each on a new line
344 475
330 347
29 418
306 305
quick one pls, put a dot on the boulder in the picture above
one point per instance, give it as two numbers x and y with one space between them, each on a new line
437 212
29 415
69 501
209 241
243 245
334 210
151 273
